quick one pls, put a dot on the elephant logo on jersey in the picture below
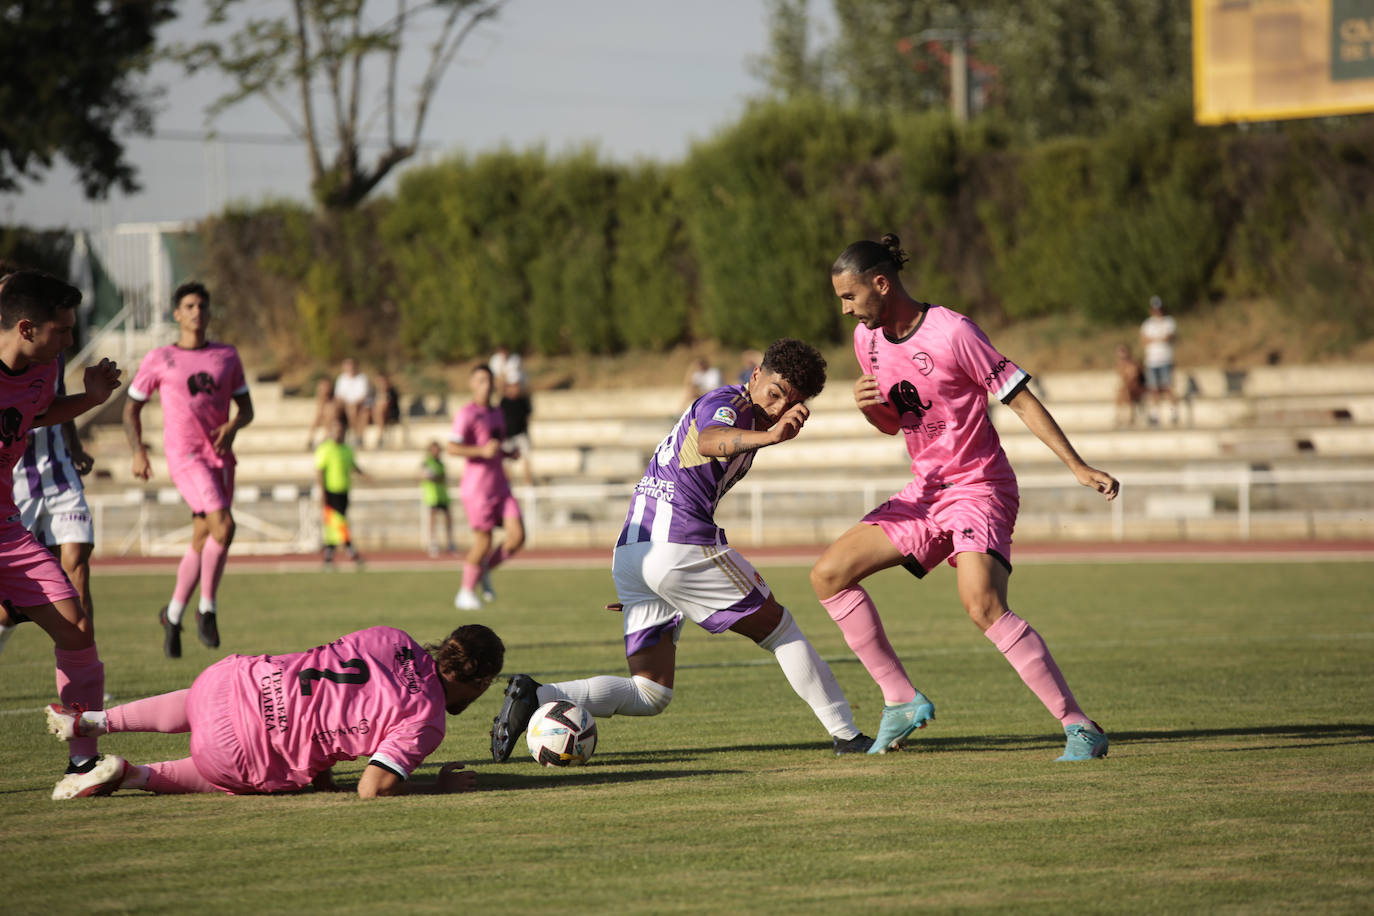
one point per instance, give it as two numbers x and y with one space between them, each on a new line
907 399
201 383
11 422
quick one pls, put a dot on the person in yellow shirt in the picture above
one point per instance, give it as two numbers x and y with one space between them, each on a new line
334 467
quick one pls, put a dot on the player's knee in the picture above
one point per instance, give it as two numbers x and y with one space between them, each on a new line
826 577
653 696
984 608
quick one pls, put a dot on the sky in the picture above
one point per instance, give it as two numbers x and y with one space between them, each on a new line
634 79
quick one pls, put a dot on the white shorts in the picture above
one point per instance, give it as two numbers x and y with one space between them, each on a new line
660 583
63 518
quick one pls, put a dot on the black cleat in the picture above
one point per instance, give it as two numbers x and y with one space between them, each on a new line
522 699
859 744
207 629
171 635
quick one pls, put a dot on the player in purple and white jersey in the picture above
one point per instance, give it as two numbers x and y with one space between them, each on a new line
275 723
928 373
672 561
37 315
52 498
198 379
478 434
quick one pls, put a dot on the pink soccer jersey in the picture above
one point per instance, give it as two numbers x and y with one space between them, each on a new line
939 378
197 387
474 424
23 397
371 693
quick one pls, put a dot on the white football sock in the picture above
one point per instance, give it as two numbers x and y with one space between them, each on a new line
174 611
810 677
605 696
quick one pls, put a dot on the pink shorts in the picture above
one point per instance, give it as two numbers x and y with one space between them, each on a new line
205 488
30 576
488 510
934 526
223 704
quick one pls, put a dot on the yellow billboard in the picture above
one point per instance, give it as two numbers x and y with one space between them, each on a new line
1262 60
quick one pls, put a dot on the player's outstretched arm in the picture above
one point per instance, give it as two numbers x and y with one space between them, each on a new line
882 415
378 782
101 380
1038 420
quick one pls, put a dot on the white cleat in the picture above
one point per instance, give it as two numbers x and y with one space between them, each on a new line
105 777
467 600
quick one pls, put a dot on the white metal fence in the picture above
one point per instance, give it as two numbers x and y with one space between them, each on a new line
1237 503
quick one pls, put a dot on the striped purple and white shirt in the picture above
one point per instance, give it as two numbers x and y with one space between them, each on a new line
46 468
676 499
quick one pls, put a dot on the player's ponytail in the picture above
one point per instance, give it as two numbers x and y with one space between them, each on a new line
868 257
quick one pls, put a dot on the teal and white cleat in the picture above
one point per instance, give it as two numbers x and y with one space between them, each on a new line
901 720
1084 742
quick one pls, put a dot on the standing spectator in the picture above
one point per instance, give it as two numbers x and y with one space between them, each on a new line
335 463
434 492
477 433
1157 337
701 377
37 315
327 410
386 408
516 408
354 393
198 379
1130 387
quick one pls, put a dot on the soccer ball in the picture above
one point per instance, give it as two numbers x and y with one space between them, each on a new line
561 734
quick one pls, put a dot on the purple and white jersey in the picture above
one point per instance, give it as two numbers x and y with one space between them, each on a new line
676 499
46 468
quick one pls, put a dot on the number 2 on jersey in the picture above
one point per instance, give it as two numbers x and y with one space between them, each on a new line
308 675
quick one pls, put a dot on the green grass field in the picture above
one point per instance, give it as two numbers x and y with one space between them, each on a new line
1239 698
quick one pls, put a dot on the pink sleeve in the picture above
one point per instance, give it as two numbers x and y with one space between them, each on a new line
407 745
462 427
979 359
147 379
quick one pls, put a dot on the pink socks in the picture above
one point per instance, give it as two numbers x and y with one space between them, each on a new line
188 575
165 713
858 620
471 573
175 777
1031 658
80 682
498 556
212 558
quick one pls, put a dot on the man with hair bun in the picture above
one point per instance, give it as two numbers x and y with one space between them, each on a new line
928 373
276 723
672 561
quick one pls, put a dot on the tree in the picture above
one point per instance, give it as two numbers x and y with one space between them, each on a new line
788 69
69 86
327 49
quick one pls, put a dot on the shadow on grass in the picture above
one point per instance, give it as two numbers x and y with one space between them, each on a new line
536 777
926 742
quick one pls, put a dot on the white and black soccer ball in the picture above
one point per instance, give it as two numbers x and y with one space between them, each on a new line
561 734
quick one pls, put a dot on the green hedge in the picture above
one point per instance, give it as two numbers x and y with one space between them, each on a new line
572 254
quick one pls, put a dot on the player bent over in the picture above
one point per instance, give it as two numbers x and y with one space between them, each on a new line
672 560
275 723
37 315
928 373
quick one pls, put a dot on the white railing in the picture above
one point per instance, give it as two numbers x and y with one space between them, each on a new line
1185 504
